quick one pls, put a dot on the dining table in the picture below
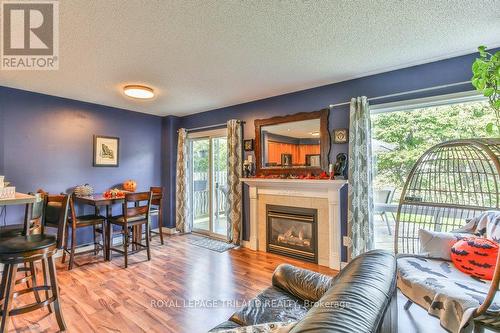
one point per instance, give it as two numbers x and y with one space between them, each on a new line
99 201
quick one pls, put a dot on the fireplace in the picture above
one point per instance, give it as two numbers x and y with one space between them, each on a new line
292 231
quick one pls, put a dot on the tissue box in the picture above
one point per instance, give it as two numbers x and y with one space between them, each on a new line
8 192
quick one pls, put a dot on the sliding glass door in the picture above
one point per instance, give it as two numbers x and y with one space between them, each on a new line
208 182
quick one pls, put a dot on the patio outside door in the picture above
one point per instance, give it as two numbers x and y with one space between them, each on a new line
208 182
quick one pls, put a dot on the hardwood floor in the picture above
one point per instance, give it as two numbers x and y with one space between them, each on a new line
166 294
184 288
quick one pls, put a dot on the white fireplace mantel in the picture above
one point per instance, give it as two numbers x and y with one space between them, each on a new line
329 245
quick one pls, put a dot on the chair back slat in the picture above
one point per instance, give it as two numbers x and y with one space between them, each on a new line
137 211
137 197
56 214
142 205
157 195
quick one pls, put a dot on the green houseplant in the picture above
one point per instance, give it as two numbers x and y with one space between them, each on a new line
486 79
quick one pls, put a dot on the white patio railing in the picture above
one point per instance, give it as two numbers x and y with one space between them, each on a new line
201 196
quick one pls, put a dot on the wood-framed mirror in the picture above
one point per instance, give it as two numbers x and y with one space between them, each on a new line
294 144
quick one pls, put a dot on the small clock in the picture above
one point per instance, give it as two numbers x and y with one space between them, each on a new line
340 135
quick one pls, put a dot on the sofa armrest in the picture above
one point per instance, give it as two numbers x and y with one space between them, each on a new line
301 283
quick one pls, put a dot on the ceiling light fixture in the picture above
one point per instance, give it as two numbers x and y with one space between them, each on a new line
138 91
315 133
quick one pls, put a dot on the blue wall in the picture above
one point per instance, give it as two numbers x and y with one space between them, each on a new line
433 74
46 142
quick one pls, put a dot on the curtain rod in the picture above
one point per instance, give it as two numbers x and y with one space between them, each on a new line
210 126
406 92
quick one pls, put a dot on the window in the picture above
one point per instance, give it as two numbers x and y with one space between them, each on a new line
401 133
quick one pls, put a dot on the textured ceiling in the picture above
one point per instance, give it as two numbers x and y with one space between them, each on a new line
206 54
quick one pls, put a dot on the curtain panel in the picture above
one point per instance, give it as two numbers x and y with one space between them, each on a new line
234 197
360 194
182 219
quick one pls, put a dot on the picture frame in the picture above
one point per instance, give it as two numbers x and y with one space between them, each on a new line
313 160
248 145
340 135
286 159
106 151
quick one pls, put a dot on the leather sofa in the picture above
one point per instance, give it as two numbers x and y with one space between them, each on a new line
361 298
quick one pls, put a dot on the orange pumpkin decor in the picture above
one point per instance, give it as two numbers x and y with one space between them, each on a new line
475 256
130 185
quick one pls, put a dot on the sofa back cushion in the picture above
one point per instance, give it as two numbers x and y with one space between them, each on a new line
358 298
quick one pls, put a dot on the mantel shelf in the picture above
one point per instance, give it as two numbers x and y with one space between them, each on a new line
295 183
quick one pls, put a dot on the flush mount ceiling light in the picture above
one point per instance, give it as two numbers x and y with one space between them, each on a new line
138 91
315 133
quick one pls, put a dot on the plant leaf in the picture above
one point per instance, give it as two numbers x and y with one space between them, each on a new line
488 92
489 128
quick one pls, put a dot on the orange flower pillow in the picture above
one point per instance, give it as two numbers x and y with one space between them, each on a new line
475 256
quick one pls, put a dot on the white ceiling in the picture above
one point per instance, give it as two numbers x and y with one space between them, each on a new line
206 54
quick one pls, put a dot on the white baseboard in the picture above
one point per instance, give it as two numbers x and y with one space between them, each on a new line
168 231
245 243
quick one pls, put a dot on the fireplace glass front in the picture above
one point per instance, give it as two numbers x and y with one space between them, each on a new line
292 231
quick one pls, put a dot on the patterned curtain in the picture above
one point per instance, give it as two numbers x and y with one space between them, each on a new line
360 197
234 196
182 220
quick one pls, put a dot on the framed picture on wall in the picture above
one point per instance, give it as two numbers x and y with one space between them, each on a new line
286 159
106 151
313 160
248 145
340 135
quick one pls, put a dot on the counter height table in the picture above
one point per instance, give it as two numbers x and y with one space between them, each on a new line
20 199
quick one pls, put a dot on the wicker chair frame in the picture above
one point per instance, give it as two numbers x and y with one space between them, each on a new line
450 182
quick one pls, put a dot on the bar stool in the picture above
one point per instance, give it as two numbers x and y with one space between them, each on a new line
131 218
77 222
157 209
28 249
31 225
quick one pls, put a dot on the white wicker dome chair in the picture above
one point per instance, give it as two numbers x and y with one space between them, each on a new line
450 183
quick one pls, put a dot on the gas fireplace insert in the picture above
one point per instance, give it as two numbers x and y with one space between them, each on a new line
292 231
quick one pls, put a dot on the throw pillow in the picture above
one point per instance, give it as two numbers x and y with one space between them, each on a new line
475 256
435 244
486 224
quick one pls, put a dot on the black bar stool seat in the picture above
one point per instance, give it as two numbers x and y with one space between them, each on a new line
11 246
12 230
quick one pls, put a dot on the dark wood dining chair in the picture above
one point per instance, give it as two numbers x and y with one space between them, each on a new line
157 209
97 222
133 216
23 249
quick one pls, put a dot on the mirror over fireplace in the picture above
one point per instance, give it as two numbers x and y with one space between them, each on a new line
293 144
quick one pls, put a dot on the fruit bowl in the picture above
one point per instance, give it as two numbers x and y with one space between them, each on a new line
114 193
